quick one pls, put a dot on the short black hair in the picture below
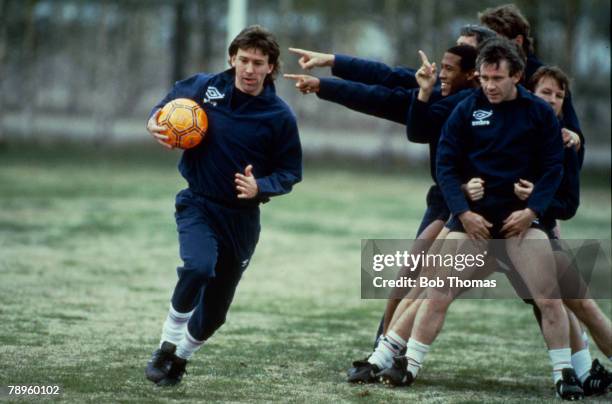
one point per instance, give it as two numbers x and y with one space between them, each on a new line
477 31
495 50
257 37
467 54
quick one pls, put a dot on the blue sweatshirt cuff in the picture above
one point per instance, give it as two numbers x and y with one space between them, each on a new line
341 64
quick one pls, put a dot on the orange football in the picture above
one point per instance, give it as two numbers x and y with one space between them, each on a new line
186 122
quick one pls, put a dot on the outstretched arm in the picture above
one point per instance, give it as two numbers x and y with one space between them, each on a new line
379 101
357 69
371 72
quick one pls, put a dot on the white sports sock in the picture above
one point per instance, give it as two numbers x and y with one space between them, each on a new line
388 347
394 338
581 362
174 326
188 346
560 359
415 353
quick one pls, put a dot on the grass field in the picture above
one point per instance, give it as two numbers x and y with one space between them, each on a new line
88 252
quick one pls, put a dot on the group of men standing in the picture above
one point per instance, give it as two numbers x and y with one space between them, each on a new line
505 152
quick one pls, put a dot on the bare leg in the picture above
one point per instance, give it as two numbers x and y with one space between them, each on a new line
576 299
576 341
432 311
430 233
589 313
535 263
403 324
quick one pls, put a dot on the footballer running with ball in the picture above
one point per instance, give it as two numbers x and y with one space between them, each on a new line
251 152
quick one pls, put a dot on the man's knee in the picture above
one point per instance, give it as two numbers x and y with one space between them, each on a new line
550 307
582 307
212 320
197 269
437 302
535 234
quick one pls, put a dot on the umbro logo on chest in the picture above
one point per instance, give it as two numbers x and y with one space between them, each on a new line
212 94
480 116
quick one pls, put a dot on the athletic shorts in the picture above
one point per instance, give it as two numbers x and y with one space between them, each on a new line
436 208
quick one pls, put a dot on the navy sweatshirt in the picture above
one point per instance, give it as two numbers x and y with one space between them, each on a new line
426 121
376 100
261 131
392 104
567 198
370 72
500 143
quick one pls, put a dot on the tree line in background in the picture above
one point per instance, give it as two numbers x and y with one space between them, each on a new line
113 59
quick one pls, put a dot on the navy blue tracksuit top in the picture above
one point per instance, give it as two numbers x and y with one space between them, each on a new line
376 100
371 72
262 132
500 143
425 121
567 198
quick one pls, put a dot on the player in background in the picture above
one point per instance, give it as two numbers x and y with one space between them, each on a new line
404 315
424 117
551 84
251 152
487 133
363 89
456 73
508 21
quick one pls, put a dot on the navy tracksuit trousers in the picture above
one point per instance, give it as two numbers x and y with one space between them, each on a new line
216 243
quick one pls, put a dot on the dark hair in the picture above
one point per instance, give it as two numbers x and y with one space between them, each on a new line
553 72
477 31
257 37
508 21
495 50
467 54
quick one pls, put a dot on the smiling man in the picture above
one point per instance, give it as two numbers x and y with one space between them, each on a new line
251 152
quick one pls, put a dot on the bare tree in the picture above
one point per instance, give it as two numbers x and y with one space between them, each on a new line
571 20
102 104
29 49
205 28
180 43
3 51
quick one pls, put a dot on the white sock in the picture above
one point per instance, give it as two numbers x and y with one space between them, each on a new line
175 326
395 339
415 352
560 359
581 362
188 346
388 347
